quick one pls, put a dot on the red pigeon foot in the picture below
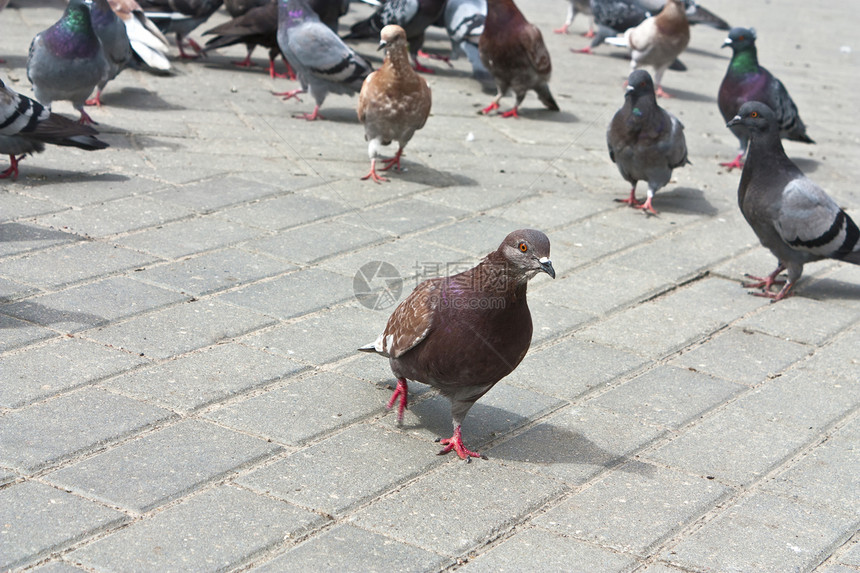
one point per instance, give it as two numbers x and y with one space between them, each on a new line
373 175
589 34
96 101
734 164
401 391
246 63
660 93
272 73
646 206
630 200
422 69
86 119
290 94
455 443
585 50
775 297
389 163
491 107
446 59
511 113
765 282
13 168
313 116
562 30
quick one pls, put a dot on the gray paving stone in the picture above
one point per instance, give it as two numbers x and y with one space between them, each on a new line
550 320
476 197
675 320
322 337
576 444
150 471
634 508
180 328
852 555
57 567
39 519
294 294
17 206
72 264
539 550
837 286
70 185
303 409
113 217
763 533
659 568
590 240
836 569
212 194
408 216
345 470
473 237
17 238
283 212
549 210
244 524
59 366
826 475
821 320
452 510
15 333
49 432
739 443
316 241
755 356
11 290
838 359
92 304
345 548
188 237
214 271
202 378
668 396
572 367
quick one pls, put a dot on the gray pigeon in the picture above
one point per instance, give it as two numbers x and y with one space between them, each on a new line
67 61
645 141
575 7
26 126
791 215
111 32
464 22
322 62
746 80
181 17
463 333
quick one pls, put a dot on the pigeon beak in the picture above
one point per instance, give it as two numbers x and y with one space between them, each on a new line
734 121
546 266
728 42
628 89
382 44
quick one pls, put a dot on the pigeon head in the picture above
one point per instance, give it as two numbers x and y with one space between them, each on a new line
740 39
526 251
639 83
757 117
295 12
391 36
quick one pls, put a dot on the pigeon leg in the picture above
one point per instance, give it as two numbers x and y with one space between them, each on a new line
375 177
422 69
491 107
272 73
590 32
85 118
246 63
455 443
389 163
446 59
646 206
290 94
737 163
660 93
13 168
313 116
585 50
630 200
511 113
401 391
96 101
563 30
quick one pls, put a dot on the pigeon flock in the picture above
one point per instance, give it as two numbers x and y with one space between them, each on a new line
462 333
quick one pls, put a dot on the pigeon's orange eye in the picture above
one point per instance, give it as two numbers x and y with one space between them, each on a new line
754 114
741 38
524 247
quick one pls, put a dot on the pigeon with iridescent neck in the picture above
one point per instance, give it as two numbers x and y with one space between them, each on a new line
462 334
67 61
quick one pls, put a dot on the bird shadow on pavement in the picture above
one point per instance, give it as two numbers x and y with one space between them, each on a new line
415 172
805 164
34 312
38 176
684 95
138 99
684 200
830 289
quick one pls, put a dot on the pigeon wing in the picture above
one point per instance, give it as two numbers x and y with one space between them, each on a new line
809 220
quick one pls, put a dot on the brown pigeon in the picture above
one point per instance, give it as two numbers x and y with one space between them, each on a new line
658 41
463 333
394 101
514 53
